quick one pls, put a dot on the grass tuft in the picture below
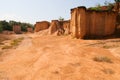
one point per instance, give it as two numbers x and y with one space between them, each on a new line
16 41
108 71
102 59
6 47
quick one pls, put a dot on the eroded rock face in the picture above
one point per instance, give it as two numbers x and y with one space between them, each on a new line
56 27
66 26
92 23
78 22
53 27
117 7
17 29
41 26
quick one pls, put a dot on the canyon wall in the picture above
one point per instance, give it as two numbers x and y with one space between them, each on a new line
89 23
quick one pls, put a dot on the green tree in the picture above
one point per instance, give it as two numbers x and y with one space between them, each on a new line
117 0
12 23
106 3
96 8
1 28
23 25
109 5
61 19
5 25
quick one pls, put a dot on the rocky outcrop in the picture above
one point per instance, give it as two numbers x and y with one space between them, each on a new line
88 23
53 26
78 22
56 27
117 7
17 29
41 26
66 27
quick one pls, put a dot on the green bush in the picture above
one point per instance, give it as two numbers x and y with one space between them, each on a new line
61 19
5 25
117 0
1 29
14 43
97 8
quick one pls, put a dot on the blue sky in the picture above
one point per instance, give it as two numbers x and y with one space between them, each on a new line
38 10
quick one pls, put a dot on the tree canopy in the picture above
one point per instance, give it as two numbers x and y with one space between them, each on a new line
117 0
61 19
98 7
4 25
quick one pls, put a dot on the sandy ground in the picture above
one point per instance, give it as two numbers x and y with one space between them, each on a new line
60 58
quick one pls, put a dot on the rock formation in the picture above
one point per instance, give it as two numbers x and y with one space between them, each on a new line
66 26
117 7
56 27
92 23
53 26
41 26
17 29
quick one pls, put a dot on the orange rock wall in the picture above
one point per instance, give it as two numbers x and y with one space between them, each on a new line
66 26
41 26
60 27
91 23
100 23
73 22
53 26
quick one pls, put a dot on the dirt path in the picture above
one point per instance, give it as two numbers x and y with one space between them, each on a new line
57 58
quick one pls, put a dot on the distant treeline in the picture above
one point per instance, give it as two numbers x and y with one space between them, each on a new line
4 25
